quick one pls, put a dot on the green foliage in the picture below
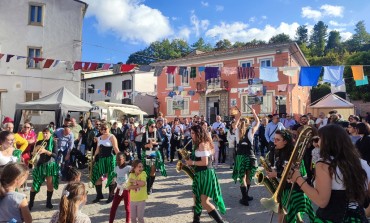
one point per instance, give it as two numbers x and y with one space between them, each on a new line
360 40
319 91
223 44
280 38
334 43
318 38
201 45
255 42
302 35
238 44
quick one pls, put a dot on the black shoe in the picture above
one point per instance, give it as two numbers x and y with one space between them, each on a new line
48 199
244 202
249 198
216 216
110 199
49 205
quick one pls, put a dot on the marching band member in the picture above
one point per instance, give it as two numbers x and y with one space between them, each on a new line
298 202
105 161
341 179
205 182
245 161
152 158
45 168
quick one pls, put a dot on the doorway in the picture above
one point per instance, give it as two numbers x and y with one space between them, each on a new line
213 108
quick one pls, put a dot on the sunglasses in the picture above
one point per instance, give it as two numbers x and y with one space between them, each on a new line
103 128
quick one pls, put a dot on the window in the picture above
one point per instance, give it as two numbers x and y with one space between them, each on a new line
108 86
91 88
185 78
126 85
170 80
170 110
267 102
265 62
126 101
36 14
33 52
31 96
247 63
186 107
244 101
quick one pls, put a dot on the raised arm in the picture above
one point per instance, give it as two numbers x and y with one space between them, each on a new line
257 125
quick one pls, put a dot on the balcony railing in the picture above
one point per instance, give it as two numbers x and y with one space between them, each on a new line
212 84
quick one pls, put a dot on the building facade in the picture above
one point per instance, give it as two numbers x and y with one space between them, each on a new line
216 96
46 29
136 87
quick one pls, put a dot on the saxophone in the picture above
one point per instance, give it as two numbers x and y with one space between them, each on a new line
270 183
182 167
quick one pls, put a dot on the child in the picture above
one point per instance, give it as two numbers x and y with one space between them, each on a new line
315 152
216 144
121 170
127 150
138 191
13 204
73 175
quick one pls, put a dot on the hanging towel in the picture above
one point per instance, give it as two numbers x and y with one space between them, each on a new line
182 71
269 74
180 88
21 57
93 66
333 75
8 57
106 66
127 67
211 72
246 73
56 63
145 68
309 76
229 70
171 69
193 72
171 94
289 71
290 87
76 66
86 66
191 93
1 55
158 71
358 72
200 70
282 87
233 90
264 90
48 63
362 82
340 88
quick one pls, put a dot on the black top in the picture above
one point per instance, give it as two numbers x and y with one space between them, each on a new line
44 158
245 146
223 140
201 168
363 146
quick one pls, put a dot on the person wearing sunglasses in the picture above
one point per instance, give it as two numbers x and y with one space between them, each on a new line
28 134
105 161
151 156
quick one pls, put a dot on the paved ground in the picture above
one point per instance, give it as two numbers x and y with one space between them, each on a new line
170 203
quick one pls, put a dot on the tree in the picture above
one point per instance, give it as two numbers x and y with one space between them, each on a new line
280 38
255 42
319 91
302 35
201 45
334 43
223 44
238 44
360 39
318 38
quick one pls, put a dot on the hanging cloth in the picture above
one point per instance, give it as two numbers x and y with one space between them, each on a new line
309 76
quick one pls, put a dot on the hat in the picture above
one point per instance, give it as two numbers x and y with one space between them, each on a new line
7 120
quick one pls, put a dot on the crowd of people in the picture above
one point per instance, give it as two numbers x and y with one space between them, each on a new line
128 158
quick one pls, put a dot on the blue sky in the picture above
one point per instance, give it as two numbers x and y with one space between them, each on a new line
113 29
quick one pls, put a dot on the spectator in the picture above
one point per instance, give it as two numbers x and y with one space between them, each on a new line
288 122
271 129
117 132
353 131
321 121
363 144
217 125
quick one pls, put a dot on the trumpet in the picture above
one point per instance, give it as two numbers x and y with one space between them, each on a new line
36 152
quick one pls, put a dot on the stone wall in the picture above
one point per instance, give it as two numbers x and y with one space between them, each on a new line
223 105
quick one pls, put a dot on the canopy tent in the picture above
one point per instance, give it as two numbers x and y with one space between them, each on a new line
61 102
332 102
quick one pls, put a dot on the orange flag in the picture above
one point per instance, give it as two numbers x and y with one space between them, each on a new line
358 72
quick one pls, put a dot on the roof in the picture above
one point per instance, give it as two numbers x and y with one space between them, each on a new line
85 4
194 58
331 101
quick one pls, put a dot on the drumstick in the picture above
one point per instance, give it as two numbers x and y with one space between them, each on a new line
237 108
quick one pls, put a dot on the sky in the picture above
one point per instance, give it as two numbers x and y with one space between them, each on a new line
114 29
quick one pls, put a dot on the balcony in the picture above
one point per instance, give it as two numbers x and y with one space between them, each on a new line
215 84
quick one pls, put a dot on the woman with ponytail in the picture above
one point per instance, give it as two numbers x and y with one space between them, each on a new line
73 198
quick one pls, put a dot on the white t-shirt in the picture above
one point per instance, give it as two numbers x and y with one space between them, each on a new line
324 122
122 174
138 138
315 155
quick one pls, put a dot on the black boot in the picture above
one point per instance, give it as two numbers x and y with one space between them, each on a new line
150 184
216 216
32 199
196 217
244 200
49 194
111 192
99 193
248 197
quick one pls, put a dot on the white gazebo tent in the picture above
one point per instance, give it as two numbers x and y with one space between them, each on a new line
332 102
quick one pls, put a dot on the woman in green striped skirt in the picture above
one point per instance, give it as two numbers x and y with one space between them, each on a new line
105 161
341 179
205 182
245 160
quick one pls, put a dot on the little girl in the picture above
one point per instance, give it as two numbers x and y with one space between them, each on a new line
121 170
14 205
138 191
72 176
315 152
216 144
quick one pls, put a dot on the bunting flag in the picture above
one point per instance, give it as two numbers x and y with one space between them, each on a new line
38 59
86 66
93 66
290 87
340 88
229 70
309 76
56 63
211 72
269 74
158 71
21 57
106 66
289 71
171 69
180 88
264 90
358 72
362 82
8 57
145 68
127 67
191 93
1 55
193 72
282 87
234 90
334 75
171 94
48 63
183 71
246 72
77 65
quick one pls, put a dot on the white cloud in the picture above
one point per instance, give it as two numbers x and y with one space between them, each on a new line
345 35
183 33
308 12
332 10
198 25
239 31
264 17
129 20
252 19
205 4
219 8
174 18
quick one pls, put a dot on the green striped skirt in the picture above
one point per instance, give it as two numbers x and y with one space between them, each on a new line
39 174
159 164
242 165
206 183
103 166
299 203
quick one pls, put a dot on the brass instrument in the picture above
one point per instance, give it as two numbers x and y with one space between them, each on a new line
36 152
295 160
90 156
180 166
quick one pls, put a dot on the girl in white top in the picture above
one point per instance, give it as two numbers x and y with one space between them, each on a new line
216 145
6 148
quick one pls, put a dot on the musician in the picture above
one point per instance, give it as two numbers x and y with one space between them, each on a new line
151 156
205 183
298 202
45 167
341 179
245 161
105 162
